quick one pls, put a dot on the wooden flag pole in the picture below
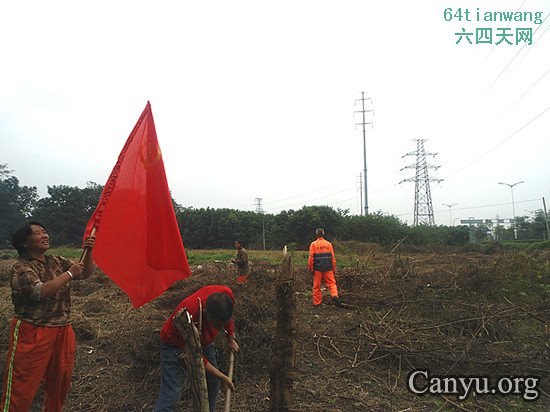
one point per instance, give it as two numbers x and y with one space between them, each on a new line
227 406
85 251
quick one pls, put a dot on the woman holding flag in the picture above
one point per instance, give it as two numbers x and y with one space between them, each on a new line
42 341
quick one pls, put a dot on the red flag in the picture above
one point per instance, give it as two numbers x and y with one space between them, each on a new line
138 243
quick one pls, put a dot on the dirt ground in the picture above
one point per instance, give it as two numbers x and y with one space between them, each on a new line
453 314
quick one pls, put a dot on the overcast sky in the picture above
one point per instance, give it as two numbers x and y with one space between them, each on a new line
256 99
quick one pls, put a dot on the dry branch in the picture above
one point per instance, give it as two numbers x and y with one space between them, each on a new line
192 352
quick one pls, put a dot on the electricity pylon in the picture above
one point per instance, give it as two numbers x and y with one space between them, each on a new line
423 209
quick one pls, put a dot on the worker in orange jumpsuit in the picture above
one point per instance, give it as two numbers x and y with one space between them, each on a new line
322 264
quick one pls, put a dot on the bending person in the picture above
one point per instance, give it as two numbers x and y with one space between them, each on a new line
211 309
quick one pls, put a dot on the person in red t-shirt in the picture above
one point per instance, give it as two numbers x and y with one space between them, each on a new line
214 306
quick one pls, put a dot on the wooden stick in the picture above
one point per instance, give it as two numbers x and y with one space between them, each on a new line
227 406
192 351
85 251
398 243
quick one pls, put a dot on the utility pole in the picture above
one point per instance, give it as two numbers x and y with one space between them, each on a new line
260 211
364 123
423 209
450 217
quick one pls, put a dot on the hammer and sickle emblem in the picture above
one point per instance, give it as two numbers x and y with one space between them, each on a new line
149 154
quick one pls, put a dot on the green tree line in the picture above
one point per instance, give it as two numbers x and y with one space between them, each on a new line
66 210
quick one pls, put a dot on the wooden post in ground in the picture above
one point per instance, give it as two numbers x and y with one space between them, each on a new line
283 360
192 352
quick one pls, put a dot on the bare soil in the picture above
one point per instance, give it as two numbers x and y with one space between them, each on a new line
453 314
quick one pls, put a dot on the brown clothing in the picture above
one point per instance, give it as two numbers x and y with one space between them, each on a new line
242 262
27 277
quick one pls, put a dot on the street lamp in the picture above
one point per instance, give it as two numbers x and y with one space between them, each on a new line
450 217
511 186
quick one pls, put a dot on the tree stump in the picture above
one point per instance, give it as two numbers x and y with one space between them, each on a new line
192 353
283 360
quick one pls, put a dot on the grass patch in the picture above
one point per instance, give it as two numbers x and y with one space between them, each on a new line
196 257
526 245
69 252
201 256
515 245
271 256
8 253
540 245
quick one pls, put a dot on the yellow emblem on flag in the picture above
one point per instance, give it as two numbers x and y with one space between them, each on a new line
149 154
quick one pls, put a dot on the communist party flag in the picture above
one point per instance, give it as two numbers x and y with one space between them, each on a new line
138 243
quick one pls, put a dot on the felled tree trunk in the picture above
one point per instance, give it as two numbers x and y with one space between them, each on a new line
283 360
192 352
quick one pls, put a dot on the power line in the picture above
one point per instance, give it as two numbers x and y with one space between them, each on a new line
326 196
313 200
301 195
493 205
480 206
533 85
513 58
329 204
540 37
499 144
508 25
393 185
289 198
317 198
